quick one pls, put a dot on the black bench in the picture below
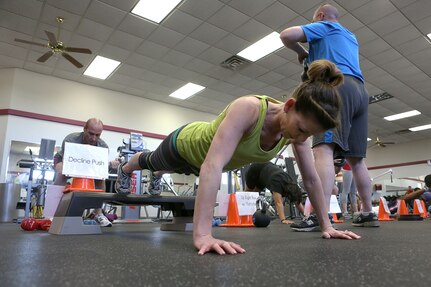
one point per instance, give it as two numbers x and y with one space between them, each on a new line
68 216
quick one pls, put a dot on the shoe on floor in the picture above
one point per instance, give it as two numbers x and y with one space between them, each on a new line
347 216
155 185
102 220
365 219
122 184
307 224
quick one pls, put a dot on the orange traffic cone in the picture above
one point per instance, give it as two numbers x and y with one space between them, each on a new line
419 208
82 184
335 218
402 210
233 218
384 210
424 207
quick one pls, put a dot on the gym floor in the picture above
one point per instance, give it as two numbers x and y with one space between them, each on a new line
139 254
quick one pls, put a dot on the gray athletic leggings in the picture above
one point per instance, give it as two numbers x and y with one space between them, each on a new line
167 158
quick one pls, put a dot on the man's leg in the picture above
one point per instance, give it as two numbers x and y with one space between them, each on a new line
362 181
366 217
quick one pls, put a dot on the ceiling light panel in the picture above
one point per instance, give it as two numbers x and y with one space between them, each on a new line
187 91
155 10
101 68
263 47
420 128
402 115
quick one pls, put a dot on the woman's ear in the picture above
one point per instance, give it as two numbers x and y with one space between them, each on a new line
289 104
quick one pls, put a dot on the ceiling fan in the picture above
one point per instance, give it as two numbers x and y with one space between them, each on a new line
378 142
57 47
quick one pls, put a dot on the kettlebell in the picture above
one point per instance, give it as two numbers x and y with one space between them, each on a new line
260 218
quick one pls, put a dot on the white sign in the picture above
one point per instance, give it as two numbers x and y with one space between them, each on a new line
385 205
246 202
87 161
419 206
334 207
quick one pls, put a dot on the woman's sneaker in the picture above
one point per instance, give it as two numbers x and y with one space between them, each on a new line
122 184
102 220
365 219
307 224
310 223
155 185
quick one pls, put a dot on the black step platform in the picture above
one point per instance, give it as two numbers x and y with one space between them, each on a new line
68 216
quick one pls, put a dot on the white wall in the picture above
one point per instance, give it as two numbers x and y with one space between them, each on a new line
401 153
6 84
63 98
41 94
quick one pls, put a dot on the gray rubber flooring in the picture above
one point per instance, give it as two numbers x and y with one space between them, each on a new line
395 254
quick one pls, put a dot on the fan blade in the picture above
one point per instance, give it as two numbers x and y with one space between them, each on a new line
78 50
45 56
51 37
72 60
30 42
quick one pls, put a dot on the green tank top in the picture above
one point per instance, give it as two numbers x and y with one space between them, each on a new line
194 140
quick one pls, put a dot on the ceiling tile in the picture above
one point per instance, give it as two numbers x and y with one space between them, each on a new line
417 10
125 41
350 22
105 14
228 18
182 22
114 53
413 46
191 46
403 35
276 16
389 23
198 65
374 47
75 6
424 25
125 5
208 33
152 50
17 23
166 37
250 8
232 44
94 30
365 35
177 58
374 11
202 9
252 31
32 8
301 6
141 61
137 26
214 55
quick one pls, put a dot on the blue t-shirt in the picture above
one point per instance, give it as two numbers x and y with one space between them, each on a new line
331 41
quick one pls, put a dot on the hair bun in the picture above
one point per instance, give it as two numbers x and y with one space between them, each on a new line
325 71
